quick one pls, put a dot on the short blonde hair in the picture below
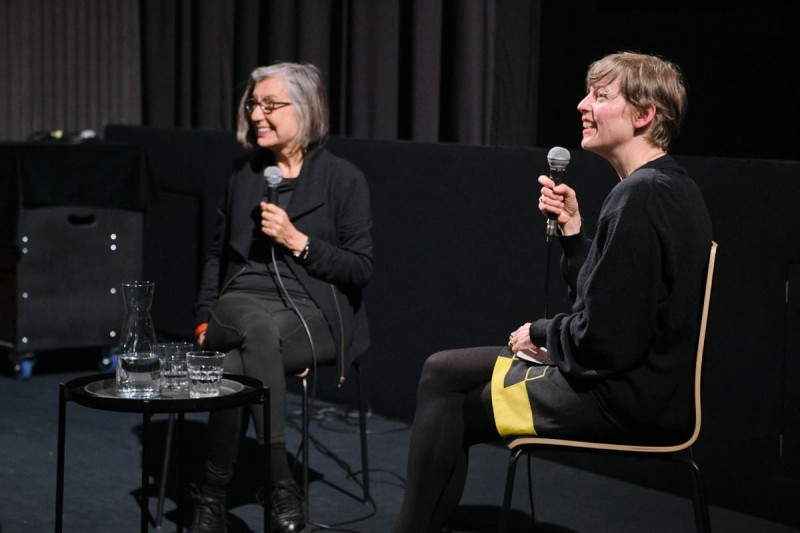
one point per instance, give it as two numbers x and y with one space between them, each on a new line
646 80
307 94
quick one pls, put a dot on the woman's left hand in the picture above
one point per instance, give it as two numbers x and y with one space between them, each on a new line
275 223
520 341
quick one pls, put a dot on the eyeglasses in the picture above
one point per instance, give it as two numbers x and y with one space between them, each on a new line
266 106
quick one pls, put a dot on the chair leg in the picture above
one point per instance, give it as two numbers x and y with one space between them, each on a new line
362 425
530 493
305 443
701 517
162 490
509 490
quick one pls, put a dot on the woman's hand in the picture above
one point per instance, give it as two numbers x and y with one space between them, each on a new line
560 200
520 341
275 223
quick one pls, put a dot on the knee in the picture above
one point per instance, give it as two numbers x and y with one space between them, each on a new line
435 369
232 320
237 312
233 362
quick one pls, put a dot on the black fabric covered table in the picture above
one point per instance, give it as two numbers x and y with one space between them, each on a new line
111 175
99 392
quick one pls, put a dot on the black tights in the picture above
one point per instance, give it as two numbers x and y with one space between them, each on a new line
453 412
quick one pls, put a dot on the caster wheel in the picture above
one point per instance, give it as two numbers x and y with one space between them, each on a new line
108 361
23 369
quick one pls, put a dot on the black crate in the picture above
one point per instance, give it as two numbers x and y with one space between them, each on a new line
64 287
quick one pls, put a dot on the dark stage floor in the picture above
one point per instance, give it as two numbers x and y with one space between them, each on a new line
103 476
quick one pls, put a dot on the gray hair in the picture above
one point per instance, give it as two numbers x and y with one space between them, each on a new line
305 90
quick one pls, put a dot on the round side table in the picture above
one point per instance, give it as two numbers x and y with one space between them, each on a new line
99 392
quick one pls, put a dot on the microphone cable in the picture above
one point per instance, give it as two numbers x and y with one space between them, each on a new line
310 407
294 307
547 254
323 449
350 474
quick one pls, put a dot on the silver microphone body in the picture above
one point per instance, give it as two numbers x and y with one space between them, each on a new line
273 178
557 159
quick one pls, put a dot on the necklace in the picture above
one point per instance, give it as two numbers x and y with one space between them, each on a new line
653 157
649 158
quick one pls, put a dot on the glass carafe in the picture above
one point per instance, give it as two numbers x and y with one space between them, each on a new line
138 332
138 366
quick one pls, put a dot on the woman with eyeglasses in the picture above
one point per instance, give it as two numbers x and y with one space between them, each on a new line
281 290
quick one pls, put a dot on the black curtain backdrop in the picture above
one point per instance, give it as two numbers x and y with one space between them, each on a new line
428 70
737 57
68 65
488 72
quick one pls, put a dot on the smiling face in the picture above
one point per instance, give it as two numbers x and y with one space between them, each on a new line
608 119
276 131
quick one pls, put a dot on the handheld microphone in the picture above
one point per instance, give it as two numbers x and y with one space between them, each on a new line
273 177
557 160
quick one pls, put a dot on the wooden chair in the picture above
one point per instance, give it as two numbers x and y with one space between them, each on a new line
681 452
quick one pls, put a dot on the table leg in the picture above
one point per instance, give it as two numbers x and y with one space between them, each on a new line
181 492
145 477
60 468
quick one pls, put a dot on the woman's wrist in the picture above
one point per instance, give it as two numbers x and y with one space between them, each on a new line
571 227
301 254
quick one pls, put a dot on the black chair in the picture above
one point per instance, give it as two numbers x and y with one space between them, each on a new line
362 424
305 432
680 451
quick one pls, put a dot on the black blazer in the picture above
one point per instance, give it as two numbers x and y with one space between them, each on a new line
331 205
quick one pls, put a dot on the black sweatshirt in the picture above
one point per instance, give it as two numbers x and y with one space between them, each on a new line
636 294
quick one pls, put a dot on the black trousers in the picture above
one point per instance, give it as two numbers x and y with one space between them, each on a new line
265 338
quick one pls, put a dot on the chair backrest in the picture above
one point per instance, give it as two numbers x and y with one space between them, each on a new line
698 375
701 344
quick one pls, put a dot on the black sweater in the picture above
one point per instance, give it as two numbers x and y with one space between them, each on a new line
636 294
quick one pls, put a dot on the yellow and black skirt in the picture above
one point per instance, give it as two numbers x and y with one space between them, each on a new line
533 399
511 402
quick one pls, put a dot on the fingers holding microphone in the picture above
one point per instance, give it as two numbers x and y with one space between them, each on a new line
273 220
275 223
549 201
560 201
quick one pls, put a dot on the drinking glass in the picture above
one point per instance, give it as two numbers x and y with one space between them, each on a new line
174 374
205 373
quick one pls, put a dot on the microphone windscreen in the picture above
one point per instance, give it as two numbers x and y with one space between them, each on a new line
273 176
558 157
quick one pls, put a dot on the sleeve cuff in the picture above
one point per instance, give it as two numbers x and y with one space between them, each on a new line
538 331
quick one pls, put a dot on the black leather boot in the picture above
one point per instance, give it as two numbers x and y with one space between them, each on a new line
288 510
208 515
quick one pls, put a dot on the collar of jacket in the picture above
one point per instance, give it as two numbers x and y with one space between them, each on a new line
311 185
